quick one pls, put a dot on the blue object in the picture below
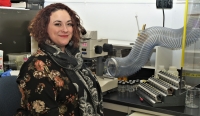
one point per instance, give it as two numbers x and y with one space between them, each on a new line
7 73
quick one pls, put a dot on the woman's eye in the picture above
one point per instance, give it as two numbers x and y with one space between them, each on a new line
57 24
70 24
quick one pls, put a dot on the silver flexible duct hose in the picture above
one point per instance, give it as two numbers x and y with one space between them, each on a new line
151 37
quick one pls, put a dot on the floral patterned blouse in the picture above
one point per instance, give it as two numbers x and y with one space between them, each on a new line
46 89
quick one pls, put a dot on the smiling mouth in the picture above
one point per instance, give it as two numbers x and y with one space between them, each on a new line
63 35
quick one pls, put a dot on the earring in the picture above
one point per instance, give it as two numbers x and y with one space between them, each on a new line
70 43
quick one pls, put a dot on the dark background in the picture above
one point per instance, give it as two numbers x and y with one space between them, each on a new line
17 1
14 34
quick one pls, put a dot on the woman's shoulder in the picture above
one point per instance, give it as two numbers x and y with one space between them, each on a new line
35 62
35 57
39 53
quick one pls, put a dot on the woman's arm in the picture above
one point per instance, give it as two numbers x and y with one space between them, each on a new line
37 89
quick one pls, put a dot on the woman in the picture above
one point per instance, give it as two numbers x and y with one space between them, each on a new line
54 81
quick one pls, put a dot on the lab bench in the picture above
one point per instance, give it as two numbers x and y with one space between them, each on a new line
127 105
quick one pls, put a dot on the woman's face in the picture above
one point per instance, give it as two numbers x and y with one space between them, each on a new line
60 28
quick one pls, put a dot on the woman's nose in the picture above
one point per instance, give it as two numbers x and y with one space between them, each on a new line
65 29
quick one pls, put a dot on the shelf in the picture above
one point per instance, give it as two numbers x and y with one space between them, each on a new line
187 69
121 44
117 46
149 67
191 51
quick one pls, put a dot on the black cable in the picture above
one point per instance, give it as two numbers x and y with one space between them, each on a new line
163 17
181 78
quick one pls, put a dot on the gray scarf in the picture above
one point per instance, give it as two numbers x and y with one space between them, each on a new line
88 89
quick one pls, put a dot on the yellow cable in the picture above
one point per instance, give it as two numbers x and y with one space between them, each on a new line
184 34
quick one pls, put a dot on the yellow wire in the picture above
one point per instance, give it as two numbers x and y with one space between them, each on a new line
184 34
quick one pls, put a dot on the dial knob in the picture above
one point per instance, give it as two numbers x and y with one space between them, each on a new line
107 47
98 49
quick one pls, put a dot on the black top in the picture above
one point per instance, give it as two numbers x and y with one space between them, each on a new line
46 89
50 89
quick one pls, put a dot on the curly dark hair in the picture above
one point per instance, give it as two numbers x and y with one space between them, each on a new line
38 26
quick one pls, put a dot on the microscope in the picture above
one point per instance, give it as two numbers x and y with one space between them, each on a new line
93 48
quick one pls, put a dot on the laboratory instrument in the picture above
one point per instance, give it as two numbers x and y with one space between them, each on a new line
93 48
163 91
192 99
151 37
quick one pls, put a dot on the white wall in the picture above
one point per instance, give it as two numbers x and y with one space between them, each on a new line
115 19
